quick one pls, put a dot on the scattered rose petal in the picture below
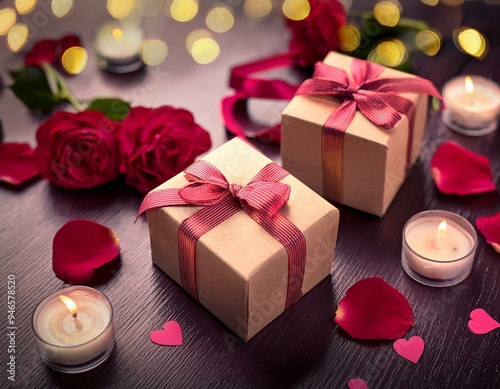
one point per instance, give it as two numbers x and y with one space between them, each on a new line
171 335
456 170
490 228
80 246
17 163
481 322
410 349
356 383
373 309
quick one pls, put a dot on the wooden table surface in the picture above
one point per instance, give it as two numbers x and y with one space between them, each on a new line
302 347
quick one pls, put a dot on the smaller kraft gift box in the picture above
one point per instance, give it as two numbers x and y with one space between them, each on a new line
352 132
241 235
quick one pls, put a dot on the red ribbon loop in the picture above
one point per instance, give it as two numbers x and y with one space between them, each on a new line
261 199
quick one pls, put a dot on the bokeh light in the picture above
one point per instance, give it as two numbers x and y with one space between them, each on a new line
134 18
7 20
205 50
296 9
387 13
25 6
61 8
390 52
349 38
120 8
17 37
154 52
257 9
432 3
428 41
184 10
194 36
74 59
220 19
471 41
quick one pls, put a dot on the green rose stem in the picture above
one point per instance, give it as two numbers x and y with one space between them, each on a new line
59 87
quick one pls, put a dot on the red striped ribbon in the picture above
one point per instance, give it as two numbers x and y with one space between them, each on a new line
261 199
376 98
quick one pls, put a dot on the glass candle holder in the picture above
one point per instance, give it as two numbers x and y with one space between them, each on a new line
438 248
472 105
73 329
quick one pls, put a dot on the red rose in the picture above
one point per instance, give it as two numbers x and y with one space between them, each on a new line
78 150
50 51
317 34
159 143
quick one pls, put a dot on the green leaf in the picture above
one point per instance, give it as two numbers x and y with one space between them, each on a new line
114 109
32 88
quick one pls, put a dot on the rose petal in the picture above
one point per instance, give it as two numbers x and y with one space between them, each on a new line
372 309
17 163
43 51
80 246
460 171
68 41
490 228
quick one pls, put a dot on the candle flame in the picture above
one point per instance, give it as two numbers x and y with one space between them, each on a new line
469 85
442 227
117 33
70 304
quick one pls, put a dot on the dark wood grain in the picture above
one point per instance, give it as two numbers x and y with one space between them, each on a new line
303 347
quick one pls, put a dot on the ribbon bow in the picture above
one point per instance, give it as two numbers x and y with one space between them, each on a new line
377 98
261 199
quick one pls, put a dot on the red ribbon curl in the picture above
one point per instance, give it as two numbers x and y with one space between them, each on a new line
261 199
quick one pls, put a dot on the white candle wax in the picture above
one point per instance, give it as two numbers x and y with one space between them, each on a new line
472 104
443 252
67 339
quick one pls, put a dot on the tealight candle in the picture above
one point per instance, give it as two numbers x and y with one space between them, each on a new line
74 329
472 105
119 48
438 248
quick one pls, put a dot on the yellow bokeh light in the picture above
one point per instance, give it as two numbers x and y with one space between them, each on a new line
134 18
432 3
7 20
154 52
205 50
391 52
471 41
17 37
220 19
387 13
349 38
296 9
61 8
428 41
194 36
257 9
120 8
184 10
74 60
25 6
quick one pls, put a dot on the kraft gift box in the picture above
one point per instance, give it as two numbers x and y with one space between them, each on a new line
241 269
373 161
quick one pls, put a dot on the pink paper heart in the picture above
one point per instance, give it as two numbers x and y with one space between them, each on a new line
356 383
410 349
481 322
171 335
